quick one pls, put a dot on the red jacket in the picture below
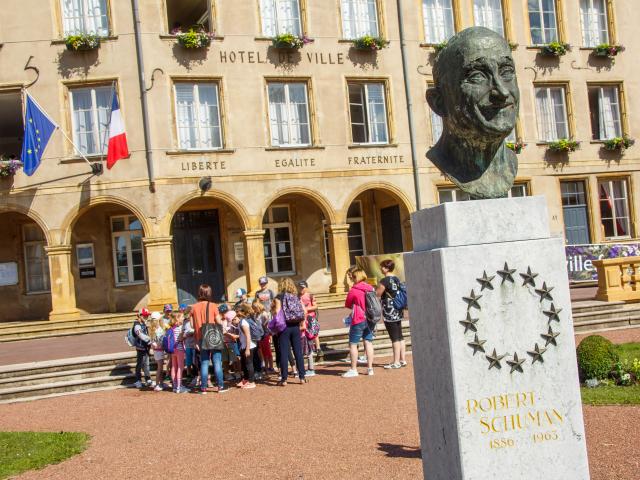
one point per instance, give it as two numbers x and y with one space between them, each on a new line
356 296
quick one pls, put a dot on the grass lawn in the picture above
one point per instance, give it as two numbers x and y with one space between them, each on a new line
22 451
629 351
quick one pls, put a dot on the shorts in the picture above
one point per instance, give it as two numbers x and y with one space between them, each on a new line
159 355
395 331
265 348
190 356
361 331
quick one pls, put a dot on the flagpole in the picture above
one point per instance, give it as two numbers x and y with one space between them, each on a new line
108 129
74 146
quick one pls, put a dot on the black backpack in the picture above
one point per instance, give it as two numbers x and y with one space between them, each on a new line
373 308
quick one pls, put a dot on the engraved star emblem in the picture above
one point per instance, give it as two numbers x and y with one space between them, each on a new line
485 281
516 363
552 313
472 300
506 273
550 337
544 292
536 353
494 359
477 344
529 278
469 324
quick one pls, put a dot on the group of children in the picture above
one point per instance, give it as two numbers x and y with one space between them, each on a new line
248 341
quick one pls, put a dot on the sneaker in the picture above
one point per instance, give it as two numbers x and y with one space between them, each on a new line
150 383
403 364
350 373
202 392
370 371
242 384
310 373
158 388
248 386
138 384
258 376
347 359
362 360
392 366
223 389
182 390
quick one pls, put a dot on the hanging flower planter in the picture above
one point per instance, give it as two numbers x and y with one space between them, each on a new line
369 43
516 146
563 145
194 38
438 47
289 41
555 49
8 168
618 143
607 50
82 42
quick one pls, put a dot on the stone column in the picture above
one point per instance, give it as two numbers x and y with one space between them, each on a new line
339 245
63 293
161 278
254 266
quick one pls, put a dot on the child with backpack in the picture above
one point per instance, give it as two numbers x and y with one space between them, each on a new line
262 316
173 343
231 336
248 346
142 342
393 296
157 334
362 302
188 333
311 309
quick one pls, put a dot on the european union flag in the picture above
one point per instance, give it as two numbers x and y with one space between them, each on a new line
38 128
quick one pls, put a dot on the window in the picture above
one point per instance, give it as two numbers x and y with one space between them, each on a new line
436 123
454 194
359 18
11 126
36 261
604 109
614 208
278 248
128 255
182 15
575 212
85 16
368 111
594 22
438 20
488 13
355 235
198 116
289 114
552 113
542 21
91 108
280 16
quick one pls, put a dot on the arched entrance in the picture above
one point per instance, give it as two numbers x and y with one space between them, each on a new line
208 247
108 259
25 282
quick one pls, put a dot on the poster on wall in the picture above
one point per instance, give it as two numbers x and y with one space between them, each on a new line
371 265
580 258
8 274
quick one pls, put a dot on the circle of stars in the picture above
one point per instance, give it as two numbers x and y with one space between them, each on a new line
552 314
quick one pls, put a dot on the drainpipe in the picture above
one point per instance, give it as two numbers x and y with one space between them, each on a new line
407 91
143 96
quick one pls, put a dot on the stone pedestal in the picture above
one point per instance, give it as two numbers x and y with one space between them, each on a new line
493 346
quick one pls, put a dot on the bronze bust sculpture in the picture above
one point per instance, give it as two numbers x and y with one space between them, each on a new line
476 94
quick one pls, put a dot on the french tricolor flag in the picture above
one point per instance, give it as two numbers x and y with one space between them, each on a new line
117 136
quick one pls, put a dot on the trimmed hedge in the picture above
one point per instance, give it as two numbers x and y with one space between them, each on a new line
596 357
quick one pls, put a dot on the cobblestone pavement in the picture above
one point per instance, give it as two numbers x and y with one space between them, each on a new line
332 428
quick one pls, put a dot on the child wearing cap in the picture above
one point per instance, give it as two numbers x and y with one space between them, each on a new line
241 297
142 343
166 315
231 336
264 294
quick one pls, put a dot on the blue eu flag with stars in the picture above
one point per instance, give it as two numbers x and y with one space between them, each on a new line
38 128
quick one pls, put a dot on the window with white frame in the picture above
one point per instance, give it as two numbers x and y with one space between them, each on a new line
368 110
604 109
356 240
439 24
198 116
91 107
280 16
454 194
543 22
278 243
614 207
128 254
594 22
36 261
359 18
551 110
289 114
85 16
488 13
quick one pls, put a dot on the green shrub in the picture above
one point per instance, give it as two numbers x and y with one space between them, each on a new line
596 357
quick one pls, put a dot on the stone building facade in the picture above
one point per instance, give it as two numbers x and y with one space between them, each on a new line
259 160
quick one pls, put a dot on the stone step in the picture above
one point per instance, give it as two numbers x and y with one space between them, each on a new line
606 324
618 313
82 320
595 306
67 375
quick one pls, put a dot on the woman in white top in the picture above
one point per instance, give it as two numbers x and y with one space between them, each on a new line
248 348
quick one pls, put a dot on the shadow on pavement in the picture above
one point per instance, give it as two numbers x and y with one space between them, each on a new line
399 451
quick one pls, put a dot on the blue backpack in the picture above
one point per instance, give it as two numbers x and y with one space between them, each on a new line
400 300
169 341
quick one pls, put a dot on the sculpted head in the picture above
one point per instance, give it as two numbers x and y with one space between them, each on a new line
476 91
